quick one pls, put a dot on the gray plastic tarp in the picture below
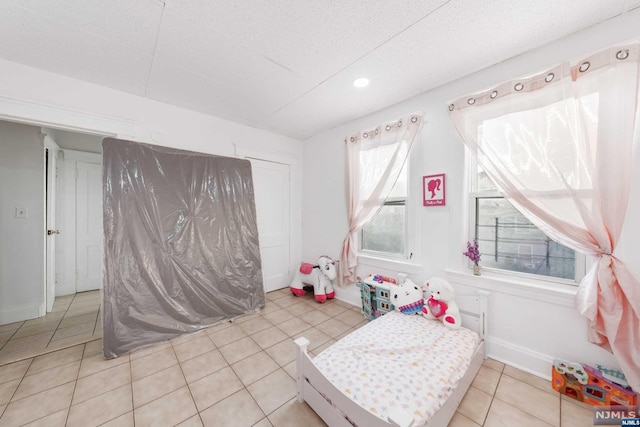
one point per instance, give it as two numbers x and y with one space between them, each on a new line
181 243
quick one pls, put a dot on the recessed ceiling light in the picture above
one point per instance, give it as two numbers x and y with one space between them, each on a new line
361 82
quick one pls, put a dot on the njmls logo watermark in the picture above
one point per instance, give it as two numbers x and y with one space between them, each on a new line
616 415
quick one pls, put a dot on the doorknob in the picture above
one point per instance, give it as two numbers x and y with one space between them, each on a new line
50 232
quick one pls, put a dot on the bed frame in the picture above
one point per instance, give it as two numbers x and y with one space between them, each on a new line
336 409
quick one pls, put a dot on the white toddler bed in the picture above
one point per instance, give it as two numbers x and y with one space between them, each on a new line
398 370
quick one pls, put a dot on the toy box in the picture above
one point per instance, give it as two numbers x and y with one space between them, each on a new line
589 385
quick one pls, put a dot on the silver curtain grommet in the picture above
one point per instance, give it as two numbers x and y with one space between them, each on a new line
518 87
414 119
451 107
622 54
387 127
399 123
376 131
494 94
549 77
584 66
352 139
471 101
365 135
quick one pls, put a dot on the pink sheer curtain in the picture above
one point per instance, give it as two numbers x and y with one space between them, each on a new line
559 146
375 158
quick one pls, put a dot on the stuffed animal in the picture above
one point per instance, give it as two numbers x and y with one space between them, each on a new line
441 303
320 276
407 297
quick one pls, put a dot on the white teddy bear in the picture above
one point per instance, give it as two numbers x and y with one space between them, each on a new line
441 304
407 297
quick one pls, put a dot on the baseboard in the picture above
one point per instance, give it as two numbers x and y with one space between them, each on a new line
523 358
19 314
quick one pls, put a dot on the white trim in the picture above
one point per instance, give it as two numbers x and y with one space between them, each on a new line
525 359
399 265
81 156
548 292
246 151
21 313
46 115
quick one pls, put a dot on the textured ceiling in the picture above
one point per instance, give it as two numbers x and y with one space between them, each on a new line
283 65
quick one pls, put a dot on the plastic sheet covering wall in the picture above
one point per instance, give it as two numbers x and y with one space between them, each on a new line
181 243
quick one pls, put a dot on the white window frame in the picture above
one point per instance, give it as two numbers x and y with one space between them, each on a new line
581 262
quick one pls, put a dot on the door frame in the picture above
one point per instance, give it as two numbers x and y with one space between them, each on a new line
51 150
295 191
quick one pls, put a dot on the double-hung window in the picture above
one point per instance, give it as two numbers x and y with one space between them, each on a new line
510 242
386 235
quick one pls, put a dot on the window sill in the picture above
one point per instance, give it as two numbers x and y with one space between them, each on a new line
550 292
401 266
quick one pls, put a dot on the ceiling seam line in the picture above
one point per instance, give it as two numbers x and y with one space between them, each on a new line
155 50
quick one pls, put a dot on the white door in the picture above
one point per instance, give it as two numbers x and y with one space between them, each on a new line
51 154
89 226
271 187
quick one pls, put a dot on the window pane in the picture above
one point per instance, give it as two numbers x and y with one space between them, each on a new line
399 190
386 232
507 240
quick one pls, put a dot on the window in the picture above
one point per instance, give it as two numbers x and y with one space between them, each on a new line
386 234
508 241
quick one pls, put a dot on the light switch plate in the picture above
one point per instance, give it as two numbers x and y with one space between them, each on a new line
21 213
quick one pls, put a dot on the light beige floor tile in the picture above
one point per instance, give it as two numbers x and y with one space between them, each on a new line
71 331
124 420
187 337
72 321
227 335
37 406
283 352
169 410
80 311
203 365
11 327
540 383
350 318
263 423
279 316
294 326
502 414
156 385
288 300
92 348
315 336
57 419
573 415
190 349
298 310
475 405
55 359
255 325
245 318
98 363
38 341
529 399
148 350
237 410
46 380
291 369
215 387
333 327
486 380
324 346
269 337
460 420
14 371
27 331
315 317
493 364
153 363
576 402
254 367
101 382
7 390
4 337
19 355
45 319
270 308
273 390
72 340
239 350
218 327
194 421
295 414
332 310
102 408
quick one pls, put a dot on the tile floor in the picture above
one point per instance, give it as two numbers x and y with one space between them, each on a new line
238 374
74 319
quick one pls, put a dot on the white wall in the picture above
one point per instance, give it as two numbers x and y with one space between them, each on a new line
54 101
21 239
529 325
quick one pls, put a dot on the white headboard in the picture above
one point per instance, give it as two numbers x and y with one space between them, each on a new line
473 310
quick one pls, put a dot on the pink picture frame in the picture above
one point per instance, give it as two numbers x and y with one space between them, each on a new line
433 190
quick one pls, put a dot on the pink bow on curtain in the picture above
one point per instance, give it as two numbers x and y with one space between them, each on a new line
559 146
375 158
